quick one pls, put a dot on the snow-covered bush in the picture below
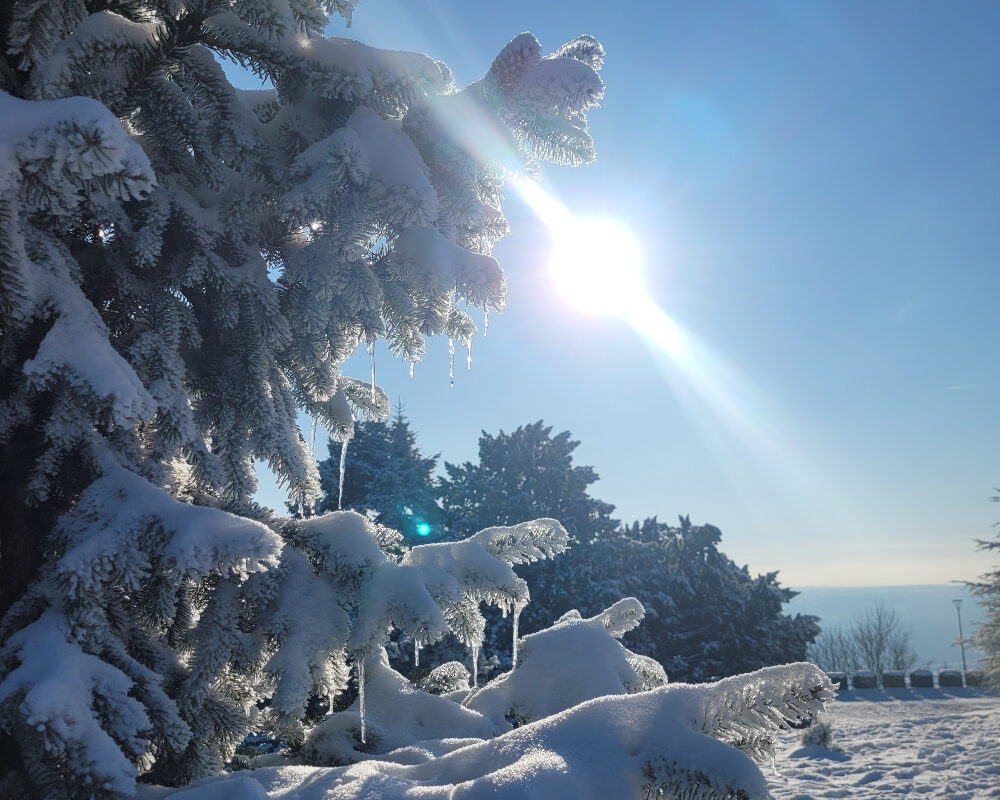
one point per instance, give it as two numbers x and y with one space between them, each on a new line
451 676
579 715
397 719
819 734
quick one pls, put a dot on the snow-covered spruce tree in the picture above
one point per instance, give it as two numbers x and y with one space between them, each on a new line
528 472
524 474
183 266
387 475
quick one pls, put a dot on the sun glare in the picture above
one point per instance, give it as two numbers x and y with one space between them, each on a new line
596 265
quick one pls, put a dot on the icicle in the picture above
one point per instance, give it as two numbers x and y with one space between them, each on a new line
361 696
486 322
411 370
312 443
343 466
451 361
516 616
371 352
416 654
468 361
475 666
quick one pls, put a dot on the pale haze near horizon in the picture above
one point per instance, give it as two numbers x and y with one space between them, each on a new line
814 189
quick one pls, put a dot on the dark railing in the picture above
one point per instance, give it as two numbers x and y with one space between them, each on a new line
898 679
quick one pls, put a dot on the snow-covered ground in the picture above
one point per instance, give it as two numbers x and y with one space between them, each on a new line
898 743
884 744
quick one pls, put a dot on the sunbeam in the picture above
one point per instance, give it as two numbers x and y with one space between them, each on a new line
596 267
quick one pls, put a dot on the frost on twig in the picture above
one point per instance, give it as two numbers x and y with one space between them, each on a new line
525 542
745 711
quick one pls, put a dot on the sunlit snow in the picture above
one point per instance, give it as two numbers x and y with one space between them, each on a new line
930 745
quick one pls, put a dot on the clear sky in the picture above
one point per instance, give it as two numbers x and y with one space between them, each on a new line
815 187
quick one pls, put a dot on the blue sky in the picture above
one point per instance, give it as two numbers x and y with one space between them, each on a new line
814 187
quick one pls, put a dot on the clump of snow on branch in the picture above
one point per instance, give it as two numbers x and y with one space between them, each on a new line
562 666
525 542
62 692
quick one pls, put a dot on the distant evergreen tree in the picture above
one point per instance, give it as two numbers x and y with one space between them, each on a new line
385 473
707 618
524 474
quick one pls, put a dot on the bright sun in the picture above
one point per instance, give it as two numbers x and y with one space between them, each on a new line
596 265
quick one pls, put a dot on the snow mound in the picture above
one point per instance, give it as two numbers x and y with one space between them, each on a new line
648 744
573 661
398 717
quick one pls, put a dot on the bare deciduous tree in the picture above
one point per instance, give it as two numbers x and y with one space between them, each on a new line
875 640
882 641
835 650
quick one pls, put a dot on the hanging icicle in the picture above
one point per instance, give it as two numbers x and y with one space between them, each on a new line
416 654
451 361
312 443
361 696
475 666
343 467
371 353
468 360
486 322
516 616
411 370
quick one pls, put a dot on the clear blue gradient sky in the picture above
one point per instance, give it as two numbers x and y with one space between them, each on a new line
816 188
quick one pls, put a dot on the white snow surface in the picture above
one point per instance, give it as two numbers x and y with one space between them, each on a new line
596 750
901 743
617 746
929 745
